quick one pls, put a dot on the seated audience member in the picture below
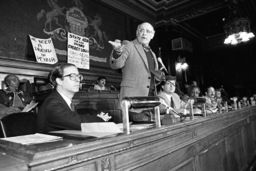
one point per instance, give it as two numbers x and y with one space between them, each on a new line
252 101
218 95
13 100
48 86
101 84
195 93
169 99
254 95
57 111
211 102
220 100
194 83
244 102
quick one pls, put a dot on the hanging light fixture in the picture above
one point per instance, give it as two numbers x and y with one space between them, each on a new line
238 29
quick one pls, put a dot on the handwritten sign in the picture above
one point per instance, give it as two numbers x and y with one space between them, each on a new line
44 50
78 51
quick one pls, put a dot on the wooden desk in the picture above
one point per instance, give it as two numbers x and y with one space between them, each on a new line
218 142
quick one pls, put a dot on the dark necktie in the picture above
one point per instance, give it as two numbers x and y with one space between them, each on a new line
72 107
172 103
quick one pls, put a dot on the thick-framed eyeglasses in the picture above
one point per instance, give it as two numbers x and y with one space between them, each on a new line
74 77
145 31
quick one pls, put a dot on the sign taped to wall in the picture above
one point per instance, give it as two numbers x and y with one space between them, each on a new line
78 51
44 50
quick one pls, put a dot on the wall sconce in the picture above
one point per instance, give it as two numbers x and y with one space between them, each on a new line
181 64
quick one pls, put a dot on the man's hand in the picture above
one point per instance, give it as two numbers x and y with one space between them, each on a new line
104 116
117 46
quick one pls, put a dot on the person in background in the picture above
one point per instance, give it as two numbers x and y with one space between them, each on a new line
194 83
195 93
12 99
137 61
211 102
101 84
57 111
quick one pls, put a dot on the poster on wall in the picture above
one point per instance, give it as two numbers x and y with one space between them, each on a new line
78 51
44 50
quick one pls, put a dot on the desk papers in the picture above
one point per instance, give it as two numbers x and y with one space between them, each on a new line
95 129
33 139
29 106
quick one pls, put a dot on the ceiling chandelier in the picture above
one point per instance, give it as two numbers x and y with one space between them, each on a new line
238 29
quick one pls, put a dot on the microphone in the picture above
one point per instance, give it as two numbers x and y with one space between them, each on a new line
161 62
113 87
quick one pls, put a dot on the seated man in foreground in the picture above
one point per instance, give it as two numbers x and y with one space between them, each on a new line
170 101
57 111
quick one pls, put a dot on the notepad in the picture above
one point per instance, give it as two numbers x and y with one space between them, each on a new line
95 129
30 106
33 139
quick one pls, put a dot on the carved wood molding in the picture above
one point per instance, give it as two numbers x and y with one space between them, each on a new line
32 68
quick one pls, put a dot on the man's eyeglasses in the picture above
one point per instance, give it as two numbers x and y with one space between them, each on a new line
74 77
145 31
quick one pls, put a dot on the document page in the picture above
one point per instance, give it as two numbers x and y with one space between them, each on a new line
33 139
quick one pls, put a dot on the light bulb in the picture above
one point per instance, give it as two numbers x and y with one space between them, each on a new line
184 66
251 35
178 66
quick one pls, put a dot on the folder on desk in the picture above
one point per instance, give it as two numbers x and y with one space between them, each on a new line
95 129
33 139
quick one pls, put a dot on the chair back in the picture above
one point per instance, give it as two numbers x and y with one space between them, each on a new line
17 124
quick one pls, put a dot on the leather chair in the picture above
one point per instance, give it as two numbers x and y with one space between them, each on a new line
17 124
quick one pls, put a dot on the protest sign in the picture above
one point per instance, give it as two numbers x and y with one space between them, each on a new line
44 50
78 51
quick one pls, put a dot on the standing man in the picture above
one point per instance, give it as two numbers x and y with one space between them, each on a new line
57 111
137 61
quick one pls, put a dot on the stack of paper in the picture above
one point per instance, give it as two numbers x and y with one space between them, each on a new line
29 106
33 139
96 129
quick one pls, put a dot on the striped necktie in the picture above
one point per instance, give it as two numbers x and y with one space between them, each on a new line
72 107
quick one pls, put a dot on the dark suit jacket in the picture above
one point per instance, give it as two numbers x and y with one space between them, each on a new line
55 114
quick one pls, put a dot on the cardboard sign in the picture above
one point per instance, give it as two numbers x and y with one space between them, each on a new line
78 51
44 50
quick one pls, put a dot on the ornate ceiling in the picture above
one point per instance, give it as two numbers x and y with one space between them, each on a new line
203 19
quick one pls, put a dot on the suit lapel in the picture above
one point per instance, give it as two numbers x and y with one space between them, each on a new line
141 52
